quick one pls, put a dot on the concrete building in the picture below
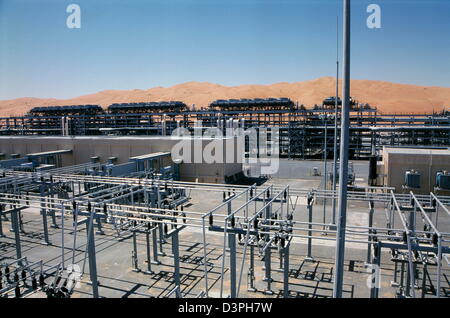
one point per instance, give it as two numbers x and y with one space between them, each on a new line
427 162
84 147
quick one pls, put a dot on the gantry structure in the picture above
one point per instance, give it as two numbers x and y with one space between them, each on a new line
303 132
263 239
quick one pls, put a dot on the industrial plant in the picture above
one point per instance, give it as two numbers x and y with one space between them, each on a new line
334 200
93 204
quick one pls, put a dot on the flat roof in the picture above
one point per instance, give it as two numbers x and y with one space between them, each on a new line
116 137
149 156
49 153
417 151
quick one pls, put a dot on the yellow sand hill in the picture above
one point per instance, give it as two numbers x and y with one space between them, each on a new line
388 97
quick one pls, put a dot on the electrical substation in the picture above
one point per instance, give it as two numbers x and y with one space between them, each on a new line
107 213
94 204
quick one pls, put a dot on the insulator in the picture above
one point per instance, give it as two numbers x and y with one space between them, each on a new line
211 219
41 280
435 239
376 250
33 283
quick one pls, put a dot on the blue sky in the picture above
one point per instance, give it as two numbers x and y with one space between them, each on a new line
129 44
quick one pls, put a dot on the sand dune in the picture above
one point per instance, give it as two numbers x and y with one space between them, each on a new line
388 97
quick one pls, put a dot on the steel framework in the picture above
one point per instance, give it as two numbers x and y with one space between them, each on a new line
258 223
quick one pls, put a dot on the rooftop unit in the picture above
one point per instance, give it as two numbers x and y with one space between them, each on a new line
412 179
66 110
443 180
249 104
151 107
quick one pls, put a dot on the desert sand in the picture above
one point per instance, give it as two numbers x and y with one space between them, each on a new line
387 97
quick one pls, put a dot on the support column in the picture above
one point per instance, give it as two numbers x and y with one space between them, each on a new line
286 272
375 288
134 252
149 259
176 262
310 219
92 258
268 252
155 246
251 271
44 213
232 248
1 220
369 245
15 225
52 211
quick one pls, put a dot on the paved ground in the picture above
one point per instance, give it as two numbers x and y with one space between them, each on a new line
307 278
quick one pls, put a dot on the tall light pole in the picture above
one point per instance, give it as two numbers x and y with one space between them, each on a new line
343 161
336 105
325 172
